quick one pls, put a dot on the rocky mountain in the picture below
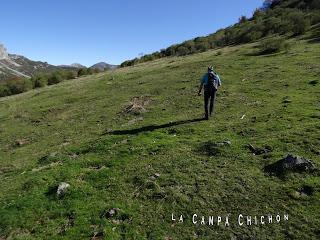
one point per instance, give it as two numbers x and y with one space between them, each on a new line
12 65
73 65
77 65
102 66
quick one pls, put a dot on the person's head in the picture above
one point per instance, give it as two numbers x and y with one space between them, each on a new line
210 69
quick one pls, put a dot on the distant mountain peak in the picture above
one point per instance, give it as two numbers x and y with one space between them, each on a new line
13 65
77 65
101 66
73 65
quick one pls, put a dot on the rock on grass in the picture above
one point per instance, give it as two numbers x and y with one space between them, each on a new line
290 163
62 189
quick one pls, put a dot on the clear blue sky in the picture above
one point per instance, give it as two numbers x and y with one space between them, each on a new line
86 32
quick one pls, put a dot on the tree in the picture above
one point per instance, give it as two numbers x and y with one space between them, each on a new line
71 75
4 90
182 50
299 23
258 14
82 72
40 80
273 45
243 19
18 85
54 78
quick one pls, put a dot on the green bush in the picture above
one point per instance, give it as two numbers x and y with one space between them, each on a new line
70 75
202 46
89 71
40 80
315 17
182 50
55 78
258 14
273 45
4 90
82 72
243 19
299 23
19 85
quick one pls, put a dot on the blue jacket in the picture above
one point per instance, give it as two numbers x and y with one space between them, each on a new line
217 82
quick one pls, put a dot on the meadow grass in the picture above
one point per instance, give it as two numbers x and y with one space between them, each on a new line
160 161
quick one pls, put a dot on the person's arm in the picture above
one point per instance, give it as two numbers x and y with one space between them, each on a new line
200 88
201 84
219 80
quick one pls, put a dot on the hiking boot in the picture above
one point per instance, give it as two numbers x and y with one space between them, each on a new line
206 117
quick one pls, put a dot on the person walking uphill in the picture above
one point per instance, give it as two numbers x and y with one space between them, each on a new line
210 82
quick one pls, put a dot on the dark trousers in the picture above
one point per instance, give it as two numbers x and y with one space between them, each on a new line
209 96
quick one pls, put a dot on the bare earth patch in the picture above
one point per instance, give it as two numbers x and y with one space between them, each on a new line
137 105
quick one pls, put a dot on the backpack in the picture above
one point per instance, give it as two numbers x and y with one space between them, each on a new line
212 78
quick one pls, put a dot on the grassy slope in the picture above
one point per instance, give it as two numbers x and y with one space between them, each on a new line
72 123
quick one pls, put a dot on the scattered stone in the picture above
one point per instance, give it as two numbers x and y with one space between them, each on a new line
155 176
224 143
111 213
62 189
21 142
259 151
97 168
227 142
290 163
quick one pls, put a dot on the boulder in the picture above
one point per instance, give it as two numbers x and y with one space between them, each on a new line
290 163
259 151
62 189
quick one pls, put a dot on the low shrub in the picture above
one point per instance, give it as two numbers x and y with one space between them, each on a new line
273 45
55 78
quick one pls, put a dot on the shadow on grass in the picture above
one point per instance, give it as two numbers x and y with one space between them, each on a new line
151 128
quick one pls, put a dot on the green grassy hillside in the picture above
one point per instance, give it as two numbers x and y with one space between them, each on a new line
133 139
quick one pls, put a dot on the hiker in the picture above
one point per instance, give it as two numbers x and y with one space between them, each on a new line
210 81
